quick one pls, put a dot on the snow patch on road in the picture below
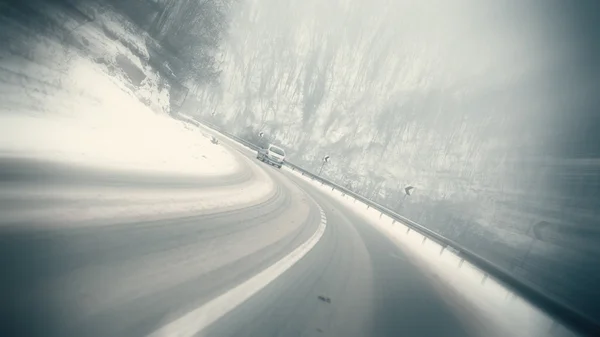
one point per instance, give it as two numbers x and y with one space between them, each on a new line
73 207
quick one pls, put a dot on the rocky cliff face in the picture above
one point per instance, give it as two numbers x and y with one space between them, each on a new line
489 109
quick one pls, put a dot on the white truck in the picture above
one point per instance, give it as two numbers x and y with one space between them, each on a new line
272 154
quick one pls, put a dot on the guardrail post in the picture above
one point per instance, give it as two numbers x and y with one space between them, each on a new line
380 215
407 230
485 276
393 221
332 188
367 206
461 263
424 239
442 250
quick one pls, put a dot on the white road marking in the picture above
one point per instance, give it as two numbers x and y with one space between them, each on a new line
201 317
396 256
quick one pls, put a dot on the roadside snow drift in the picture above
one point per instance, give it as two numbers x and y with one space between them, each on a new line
470 291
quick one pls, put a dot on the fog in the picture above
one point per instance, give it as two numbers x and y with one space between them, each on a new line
487 108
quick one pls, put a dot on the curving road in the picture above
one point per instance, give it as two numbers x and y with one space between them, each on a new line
132 273
372 288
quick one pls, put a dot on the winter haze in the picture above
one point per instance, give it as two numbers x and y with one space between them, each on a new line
127 204
487 108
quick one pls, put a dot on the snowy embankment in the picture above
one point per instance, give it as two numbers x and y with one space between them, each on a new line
95 100
89 100
484 304
97 123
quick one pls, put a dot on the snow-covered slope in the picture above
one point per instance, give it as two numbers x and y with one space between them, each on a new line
86 93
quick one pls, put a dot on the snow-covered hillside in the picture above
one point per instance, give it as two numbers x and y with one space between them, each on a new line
85 92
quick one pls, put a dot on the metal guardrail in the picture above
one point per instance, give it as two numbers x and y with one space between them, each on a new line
552 306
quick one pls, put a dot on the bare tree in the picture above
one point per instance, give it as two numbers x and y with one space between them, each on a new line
193 30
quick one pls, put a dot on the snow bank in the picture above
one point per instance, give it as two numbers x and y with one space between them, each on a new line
86 117
95 100
469 291
74 206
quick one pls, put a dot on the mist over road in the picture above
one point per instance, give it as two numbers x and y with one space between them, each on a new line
132 274
117 219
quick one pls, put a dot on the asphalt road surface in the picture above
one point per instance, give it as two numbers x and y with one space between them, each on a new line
355 282
130 276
